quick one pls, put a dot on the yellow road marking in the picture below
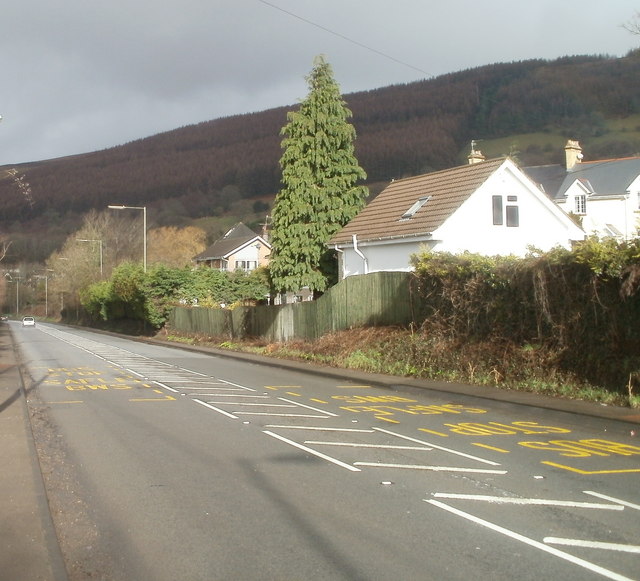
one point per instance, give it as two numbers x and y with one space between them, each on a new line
353 386
165 398
69 401
589 472
387 420
318 400
434 432
293 393
492 448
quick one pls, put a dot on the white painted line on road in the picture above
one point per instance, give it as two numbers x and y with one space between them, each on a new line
238 385
309 407
593 545
531 542
358 445
321 429
476 458
612 499
215 409
432 468
528 501
191 388
237 395
134 372
248 403
311 451
165 386
278 415
185 391
191 380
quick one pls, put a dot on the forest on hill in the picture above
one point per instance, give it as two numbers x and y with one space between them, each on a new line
202 170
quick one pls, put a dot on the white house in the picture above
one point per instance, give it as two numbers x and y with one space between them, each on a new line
605 194
239 249
487 207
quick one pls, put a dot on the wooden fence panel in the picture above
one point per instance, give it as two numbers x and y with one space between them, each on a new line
380 298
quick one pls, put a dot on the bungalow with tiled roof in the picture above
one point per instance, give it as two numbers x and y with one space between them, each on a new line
605 194
239 249
487 207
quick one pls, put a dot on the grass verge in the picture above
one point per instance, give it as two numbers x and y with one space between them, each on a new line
401 352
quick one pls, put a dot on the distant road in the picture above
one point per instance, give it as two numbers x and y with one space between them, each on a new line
166 464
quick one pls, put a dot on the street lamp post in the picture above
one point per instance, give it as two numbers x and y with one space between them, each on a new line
17 296
100 242
144 227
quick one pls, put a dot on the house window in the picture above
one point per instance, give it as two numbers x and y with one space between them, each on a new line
415 207
581 204
498 219
513 216
246 265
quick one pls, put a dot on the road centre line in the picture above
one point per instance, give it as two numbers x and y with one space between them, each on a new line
215 409
612 499
531 542
309 407
593 544
358 445
431 468
528 501
311 451
320 429
469 456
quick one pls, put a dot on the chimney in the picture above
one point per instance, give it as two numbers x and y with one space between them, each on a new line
573 154
476 155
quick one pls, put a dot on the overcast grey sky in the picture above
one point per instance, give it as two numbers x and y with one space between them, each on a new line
81 75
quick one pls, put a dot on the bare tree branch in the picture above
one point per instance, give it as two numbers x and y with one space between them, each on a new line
633 26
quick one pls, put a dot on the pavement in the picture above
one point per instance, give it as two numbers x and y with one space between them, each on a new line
29 548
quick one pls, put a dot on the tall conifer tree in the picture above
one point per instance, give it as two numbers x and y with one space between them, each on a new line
319 194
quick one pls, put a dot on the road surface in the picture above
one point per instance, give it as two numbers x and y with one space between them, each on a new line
166 464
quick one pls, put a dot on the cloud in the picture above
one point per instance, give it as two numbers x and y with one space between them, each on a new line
80 76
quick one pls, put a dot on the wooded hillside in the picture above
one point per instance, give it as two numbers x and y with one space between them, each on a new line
403 130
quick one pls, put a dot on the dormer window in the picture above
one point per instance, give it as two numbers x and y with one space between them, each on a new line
416 206
580 202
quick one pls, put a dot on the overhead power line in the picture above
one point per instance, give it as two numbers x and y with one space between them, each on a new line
343 37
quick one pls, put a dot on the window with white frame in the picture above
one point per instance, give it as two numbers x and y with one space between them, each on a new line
246 265
580 204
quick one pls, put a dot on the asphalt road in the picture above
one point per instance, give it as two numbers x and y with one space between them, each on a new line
168 464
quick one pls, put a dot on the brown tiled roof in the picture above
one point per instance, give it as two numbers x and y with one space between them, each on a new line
447 189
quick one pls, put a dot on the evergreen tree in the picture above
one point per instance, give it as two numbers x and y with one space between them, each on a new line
319 194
